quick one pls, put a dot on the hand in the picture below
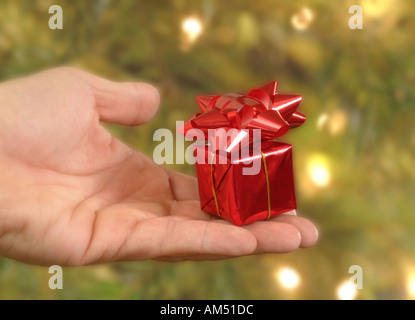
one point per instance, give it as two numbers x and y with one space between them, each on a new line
72 194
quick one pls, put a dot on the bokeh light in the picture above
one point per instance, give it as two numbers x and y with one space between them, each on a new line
411 286
192 27
288 278
322 120
377 8
302 19
318 170
337 122
346 291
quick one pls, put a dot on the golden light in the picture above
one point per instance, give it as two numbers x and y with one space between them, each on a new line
377 8
318 170
288 278
322 120
192 27
346 291
337 122
302 19
411 286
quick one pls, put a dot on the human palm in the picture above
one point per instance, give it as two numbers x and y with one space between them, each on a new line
72 194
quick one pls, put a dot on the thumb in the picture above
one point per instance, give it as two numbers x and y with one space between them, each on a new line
128 103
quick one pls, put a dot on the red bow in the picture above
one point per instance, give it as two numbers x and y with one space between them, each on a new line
261 108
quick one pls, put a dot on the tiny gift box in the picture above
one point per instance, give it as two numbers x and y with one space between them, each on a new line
244 175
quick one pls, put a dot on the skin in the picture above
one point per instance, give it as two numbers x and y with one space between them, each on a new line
72 194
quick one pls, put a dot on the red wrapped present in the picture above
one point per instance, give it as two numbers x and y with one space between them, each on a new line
229 187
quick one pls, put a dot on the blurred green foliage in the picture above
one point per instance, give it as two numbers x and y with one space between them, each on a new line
358 97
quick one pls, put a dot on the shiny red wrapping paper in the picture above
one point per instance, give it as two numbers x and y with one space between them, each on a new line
224 189
243 199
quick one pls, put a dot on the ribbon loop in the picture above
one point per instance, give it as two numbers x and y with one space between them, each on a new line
261 108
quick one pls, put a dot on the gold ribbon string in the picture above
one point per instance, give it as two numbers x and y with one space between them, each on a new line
267 178
213 185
